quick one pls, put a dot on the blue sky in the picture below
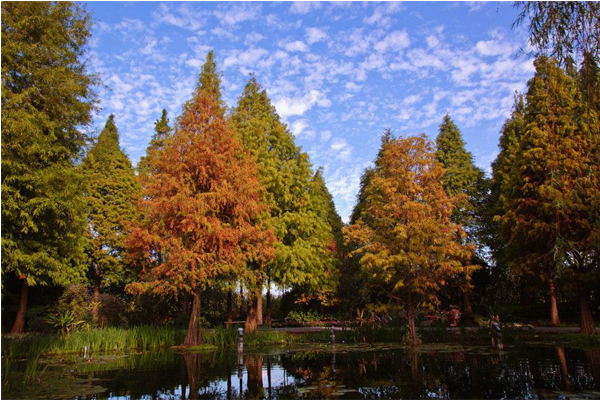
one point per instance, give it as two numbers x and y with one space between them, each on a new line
337 73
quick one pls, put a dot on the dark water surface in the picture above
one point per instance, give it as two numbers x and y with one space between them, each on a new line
448 371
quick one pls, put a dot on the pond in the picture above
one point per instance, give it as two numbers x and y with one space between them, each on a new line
315 371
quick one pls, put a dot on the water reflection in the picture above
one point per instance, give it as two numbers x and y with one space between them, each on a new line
324 372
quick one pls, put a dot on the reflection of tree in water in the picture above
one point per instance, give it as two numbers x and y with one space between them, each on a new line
255 388
593 357
483 373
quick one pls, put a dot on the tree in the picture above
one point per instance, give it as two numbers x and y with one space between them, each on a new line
551 217
200 208
461 178
562 29
46 95
301 252
410 242
111 193
159 139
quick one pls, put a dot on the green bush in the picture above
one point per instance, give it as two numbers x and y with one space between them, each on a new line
300 316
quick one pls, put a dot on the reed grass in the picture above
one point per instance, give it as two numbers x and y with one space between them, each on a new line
95 340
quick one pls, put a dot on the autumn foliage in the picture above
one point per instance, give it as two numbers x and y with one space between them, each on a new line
409 243
200 210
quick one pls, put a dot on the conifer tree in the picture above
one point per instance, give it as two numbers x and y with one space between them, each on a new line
463 179
555 184
201 209
302 255
46 95
162 134
410 243
111 193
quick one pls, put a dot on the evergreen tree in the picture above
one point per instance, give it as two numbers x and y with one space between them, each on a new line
555 184
410 243
159 139
111 193
201 210
302 256
496 203
464 180
46 95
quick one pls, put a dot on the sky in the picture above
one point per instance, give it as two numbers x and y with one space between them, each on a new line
338 73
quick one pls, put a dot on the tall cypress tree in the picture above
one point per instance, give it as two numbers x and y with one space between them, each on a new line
46 95
284 171
162 133
463 179
555 184
409 244
112 190
201 209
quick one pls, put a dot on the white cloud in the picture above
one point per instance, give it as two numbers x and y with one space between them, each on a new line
475 5
223 33
183 17
381 15
304 7
194 63
287 106
432 41
314 35
341 148
412 99
493 48
296 46
248 58
353 86
395 41
253 37
240 12
298 127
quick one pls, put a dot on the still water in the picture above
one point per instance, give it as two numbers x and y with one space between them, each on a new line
447 371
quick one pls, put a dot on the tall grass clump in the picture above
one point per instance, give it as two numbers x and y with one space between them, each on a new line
95 340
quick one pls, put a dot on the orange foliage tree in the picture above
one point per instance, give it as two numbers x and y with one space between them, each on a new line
200 208
404 235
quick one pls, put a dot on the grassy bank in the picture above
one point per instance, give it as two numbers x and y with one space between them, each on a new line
96 340
152 337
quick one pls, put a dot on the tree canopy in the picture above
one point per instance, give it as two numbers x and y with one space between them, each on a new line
46 97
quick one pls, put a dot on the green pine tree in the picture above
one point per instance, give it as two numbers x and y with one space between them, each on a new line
162 133
548 224
111 193
302 256
461 178
46 95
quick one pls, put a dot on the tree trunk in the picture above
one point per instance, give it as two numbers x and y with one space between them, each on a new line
412 327
554 319
229 308
185 309
19 325
585 314
96 296
242 315
562 360
259 308
193 336
252 318
468 307
268 316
